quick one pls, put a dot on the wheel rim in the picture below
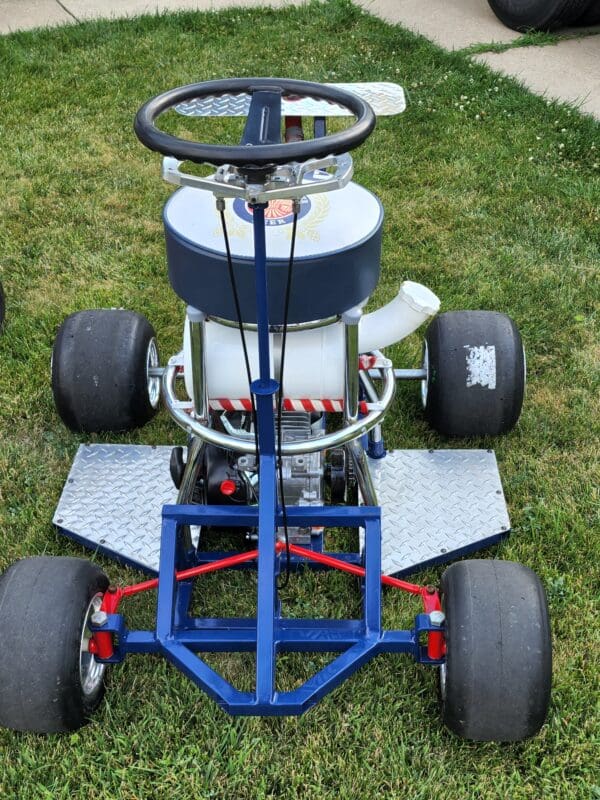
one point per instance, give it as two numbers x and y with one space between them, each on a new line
442 677
425 380
152 381
91 672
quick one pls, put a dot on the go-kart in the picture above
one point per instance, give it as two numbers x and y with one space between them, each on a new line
282 388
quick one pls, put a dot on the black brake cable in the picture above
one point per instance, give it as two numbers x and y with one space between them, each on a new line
238 311
281 396
282 365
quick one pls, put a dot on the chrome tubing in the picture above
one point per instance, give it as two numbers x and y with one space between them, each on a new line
195 321
351 320
189 480
357 453
292 327
191 472
362 472
346 434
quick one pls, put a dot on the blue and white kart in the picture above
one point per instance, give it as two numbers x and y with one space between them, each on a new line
282 388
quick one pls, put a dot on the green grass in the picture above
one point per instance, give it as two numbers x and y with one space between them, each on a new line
529 39
493 200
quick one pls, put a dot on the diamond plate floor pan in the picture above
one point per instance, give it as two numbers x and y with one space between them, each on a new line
113 498
436 505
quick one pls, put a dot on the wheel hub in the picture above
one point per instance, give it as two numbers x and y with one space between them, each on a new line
152 361
91 672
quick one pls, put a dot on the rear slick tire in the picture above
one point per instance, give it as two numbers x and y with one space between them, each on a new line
475 373
100 371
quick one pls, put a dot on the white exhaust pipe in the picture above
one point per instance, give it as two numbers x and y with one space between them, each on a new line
413 305
314 360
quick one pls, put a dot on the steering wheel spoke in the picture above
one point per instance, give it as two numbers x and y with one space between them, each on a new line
263 124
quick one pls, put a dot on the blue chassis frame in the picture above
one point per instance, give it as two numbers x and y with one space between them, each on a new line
180 637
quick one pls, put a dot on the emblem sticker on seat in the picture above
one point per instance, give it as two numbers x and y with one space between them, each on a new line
278 212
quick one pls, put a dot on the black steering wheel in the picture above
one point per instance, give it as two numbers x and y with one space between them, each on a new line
261 145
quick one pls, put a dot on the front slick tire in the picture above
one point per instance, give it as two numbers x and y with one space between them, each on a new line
48 683
495 684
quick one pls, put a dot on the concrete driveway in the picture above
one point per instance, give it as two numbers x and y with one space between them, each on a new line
567 71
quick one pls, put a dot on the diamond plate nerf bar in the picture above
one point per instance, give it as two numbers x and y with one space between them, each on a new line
386 99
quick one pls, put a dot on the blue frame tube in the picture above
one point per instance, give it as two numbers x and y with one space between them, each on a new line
264 390
262 294
181 638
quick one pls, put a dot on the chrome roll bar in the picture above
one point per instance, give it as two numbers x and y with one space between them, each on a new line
238 444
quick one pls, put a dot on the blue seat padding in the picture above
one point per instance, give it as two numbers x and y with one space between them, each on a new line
336 264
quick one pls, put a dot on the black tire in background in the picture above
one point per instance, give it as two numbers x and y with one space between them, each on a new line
47 685
100 371
495 684
591 16
475 365
541 15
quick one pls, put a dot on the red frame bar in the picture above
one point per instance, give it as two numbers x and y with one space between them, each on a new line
431 600
101 643
343 566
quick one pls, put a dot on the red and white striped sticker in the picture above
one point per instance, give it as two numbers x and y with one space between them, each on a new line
303 404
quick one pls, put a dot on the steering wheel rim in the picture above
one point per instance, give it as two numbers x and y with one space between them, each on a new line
258 155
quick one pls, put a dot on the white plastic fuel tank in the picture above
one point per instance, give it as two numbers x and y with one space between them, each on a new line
314 361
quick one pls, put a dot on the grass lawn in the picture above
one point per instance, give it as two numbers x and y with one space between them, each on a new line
493 200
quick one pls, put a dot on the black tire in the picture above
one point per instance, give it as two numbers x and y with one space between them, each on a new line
99 371
43 608
495 684
541 15
476 373
591 16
